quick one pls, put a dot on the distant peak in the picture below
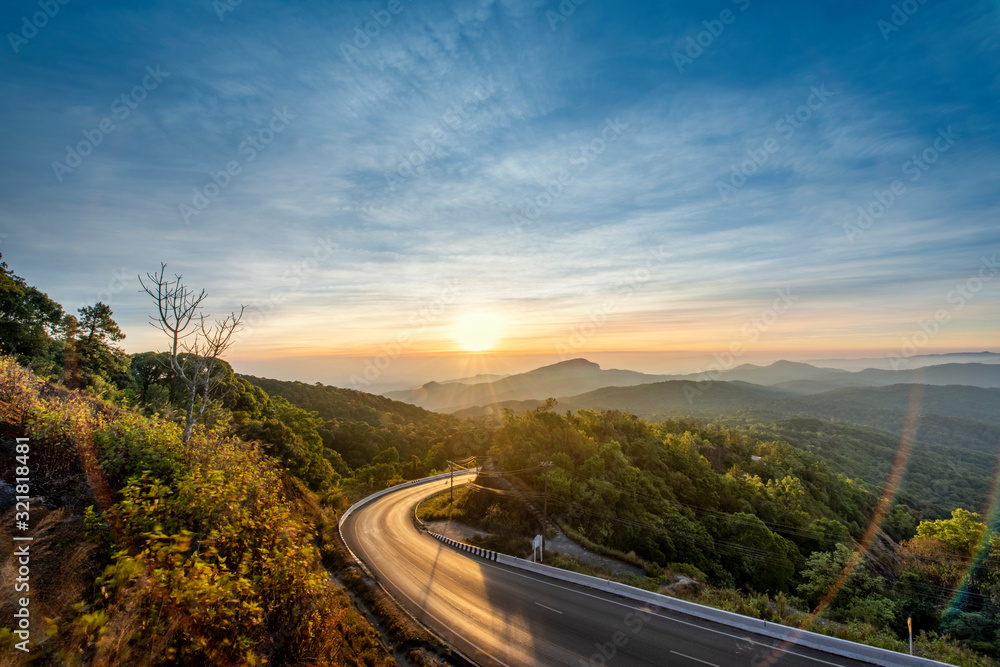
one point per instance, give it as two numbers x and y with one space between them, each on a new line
579 361
570 364
782 363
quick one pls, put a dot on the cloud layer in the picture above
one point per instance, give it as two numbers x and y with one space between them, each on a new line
648 174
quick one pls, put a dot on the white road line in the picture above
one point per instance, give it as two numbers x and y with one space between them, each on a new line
704 662
547 607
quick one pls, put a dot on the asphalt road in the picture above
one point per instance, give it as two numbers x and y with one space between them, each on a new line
498 615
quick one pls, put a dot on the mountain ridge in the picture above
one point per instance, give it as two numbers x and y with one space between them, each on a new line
562 378
579 376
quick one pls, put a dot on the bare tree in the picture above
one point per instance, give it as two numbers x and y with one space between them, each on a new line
195 346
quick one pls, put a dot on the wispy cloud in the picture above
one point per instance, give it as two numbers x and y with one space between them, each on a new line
413 154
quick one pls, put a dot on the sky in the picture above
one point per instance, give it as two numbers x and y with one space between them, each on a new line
388 186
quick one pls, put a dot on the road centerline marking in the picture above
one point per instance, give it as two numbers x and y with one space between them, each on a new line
689 657
548 607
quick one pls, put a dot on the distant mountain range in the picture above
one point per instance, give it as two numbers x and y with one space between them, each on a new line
567 377
966 416
852 419
915 361
823 379
476 379
575 381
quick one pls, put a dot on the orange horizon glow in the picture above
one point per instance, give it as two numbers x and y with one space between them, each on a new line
444 350
765 328
568 345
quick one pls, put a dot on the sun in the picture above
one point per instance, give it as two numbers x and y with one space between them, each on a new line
477 332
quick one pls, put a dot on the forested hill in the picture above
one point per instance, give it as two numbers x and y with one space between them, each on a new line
950 416
338 403
936 479
360 426
857 430
757 514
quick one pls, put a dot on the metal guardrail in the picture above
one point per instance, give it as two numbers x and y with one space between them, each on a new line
468 548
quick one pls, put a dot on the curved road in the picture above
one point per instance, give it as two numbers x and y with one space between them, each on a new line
498 615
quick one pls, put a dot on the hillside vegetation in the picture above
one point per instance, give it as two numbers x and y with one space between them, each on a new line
744 512
936 479
359 426
856 431
192 552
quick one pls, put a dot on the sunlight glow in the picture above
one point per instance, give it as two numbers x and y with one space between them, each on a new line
477 332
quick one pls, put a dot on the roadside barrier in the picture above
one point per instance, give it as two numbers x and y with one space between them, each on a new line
468 548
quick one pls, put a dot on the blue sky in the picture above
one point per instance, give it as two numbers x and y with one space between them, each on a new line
565 171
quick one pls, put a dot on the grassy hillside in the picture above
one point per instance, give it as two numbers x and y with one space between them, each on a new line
154 550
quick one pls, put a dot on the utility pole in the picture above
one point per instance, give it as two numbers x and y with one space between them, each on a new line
451 470
545 500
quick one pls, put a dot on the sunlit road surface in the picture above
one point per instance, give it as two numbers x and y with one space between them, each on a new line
497 615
